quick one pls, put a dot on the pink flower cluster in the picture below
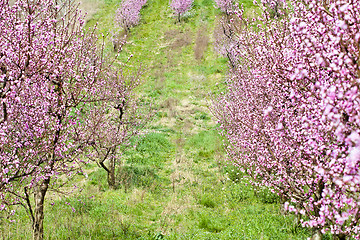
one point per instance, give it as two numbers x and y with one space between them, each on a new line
292 109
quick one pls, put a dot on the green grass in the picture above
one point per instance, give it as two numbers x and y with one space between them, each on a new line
152 149
175 184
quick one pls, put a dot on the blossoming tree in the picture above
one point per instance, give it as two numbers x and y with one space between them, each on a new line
116 121
53 80
180 7
128 14
291 112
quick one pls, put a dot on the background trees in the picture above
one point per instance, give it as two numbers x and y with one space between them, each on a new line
180 7
291 112
128 14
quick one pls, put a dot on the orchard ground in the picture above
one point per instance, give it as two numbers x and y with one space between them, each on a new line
176 184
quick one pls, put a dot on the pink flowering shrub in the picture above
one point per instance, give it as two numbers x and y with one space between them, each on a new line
128 14
180 7
292 111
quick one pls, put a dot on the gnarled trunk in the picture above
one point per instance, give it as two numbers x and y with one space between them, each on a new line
111 173
38 218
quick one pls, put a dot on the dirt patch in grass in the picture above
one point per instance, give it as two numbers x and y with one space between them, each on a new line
171 34
178 39
201 43
183 40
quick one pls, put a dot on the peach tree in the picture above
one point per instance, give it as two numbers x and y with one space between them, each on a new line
291 112
58 95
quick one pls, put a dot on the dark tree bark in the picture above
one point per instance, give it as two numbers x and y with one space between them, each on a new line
111 173
38 215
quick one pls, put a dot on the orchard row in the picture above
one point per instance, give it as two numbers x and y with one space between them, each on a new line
291 112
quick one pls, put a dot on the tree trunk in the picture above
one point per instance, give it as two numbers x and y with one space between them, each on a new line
341 237
38 220
111 173
316 235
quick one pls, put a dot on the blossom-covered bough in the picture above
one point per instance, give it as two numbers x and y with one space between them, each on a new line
292 111
227 6
58 95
